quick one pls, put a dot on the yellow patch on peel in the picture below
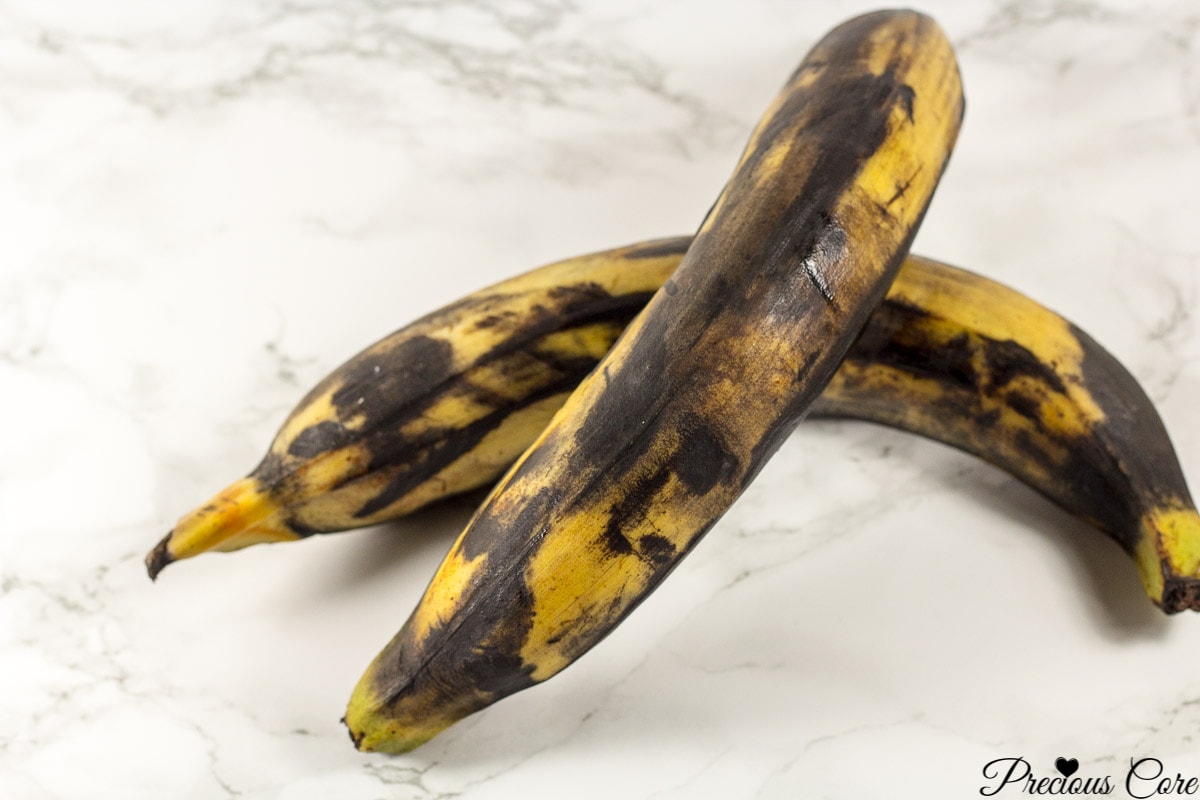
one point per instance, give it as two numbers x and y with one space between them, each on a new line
234 510
268 531
968 303
768 167
575 580
903 172
589 341
444 594
579 581
1177 529
620 276
449 411
1148 560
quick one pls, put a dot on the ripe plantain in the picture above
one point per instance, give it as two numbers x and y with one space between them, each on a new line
700 390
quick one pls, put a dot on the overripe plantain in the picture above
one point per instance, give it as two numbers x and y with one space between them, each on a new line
439 407
949 355
700 390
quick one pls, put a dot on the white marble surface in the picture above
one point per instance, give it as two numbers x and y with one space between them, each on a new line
204 207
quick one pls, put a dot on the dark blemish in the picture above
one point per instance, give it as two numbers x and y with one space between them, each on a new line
1153 465
1024 405
702 460
498 668
881 343
674 246
269 471
317 439
492 320
630 510
907 97
1007 360
989 418
304 531
377 385
1025 442
670 287
489 532
488 657
656 549
615 540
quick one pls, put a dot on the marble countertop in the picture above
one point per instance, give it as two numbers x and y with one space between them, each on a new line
205 207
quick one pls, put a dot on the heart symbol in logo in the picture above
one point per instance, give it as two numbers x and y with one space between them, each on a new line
1067 766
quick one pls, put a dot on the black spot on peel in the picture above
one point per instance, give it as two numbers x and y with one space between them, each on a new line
492 320
316 439
269 471
702 460
1007 360
303 530
907 97
497 666
883 342
487 531
381 384
989 418
670 287
656 549
615 541
1024 405
630 510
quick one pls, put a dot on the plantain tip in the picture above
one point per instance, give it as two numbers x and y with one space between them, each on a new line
158 558
1181 594
357 738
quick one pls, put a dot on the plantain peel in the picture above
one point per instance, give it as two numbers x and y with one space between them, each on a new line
706 382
